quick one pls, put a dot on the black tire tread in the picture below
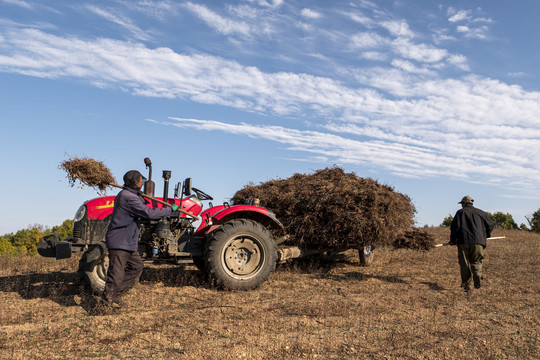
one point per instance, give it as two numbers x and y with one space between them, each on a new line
213 249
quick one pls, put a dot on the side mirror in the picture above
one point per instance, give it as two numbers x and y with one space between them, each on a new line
186 189
177 190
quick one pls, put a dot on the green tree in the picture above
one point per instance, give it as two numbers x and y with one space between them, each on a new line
24 242
504 221
6 248
447 221
534 221
65 230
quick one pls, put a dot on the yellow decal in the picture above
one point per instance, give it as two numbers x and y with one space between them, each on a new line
109 204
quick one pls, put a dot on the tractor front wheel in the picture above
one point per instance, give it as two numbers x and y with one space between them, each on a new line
93 266
241 255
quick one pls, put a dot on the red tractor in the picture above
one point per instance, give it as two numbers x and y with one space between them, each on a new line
233 244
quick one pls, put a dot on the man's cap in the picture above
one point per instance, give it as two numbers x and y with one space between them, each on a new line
131 178
466 200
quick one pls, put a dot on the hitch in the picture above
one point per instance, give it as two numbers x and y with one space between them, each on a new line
52 246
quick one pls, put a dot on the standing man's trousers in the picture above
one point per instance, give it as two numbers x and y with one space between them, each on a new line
125 268
470 262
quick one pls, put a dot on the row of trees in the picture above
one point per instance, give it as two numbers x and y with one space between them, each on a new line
24 242
506 221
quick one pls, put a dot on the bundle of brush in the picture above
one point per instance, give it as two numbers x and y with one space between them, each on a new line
334 209
88 172
415 239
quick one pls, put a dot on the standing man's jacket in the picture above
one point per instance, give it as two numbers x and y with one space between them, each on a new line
471 226
129 208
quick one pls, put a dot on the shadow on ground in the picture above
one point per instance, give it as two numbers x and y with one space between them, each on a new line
68 289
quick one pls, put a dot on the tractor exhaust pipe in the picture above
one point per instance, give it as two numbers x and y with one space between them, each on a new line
149 184
166 177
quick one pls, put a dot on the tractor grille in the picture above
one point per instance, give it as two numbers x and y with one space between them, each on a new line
78 231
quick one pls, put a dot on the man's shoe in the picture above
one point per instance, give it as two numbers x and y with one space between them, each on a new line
477 282
467 287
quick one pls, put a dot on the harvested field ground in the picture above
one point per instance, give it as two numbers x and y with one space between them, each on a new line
407 305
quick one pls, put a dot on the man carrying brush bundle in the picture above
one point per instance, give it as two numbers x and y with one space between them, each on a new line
469 230
122 238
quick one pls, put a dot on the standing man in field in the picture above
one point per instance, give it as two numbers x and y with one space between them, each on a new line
122 238
469 230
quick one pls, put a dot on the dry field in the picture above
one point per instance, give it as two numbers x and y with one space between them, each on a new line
408 305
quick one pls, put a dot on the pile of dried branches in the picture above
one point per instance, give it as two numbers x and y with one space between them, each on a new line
415 239
334 209
88 172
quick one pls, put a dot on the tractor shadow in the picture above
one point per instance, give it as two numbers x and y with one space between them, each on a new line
57 286
324 267
68 288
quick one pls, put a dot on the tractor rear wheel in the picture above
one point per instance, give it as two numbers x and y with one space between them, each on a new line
241 255
93 265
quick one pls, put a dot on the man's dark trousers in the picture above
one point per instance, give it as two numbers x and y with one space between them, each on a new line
125 268
470 263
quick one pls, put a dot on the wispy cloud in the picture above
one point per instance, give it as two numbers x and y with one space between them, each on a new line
122 21
403 114
217 22
459 15
398 28
21 3
393 154
153 9
468 24
310 14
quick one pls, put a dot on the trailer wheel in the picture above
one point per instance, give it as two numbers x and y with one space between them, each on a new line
240 255
94 265
366 255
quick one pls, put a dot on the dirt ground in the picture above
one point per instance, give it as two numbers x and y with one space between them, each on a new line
407 305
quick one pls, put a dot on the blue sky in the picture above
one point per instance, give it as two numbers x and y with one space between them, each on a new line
438 99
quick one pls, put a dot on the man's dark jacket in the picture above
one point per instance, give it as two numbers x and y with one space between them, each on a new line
470 226
129 208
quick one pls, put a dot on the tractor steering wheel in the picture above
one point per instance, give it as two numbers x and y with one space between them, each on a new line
201 194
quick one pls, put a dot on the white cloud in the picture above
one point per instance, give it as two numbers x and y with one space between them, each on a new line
469 23
155 9
310 14
268 3
418 123
460 15
398 157
374 55
364 20
20 3
398 28
119 20
409 67
459 61
217 22
368 40
418 52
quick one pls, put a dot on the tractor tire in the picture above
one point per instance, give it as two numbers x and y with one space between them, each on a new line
240 255
366 255
93 266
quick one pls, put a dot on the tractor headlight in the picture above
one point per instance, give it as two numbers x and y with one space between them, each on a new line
80 213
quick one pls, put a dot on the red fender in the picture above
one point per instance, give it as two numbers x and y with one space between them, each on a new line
214 217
